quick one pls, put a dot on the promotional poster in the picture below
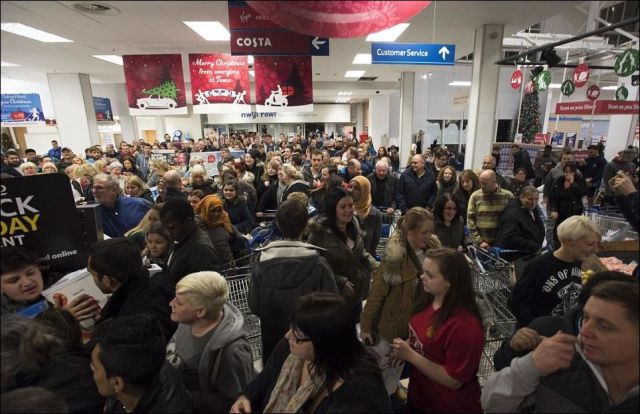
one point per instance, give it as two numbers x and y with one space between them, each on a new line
39 214
103 110
219 83
21 107
155 84
283 84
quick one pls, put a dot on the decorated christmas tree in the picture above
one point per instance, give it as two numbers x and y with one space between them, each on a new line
166 90
530 116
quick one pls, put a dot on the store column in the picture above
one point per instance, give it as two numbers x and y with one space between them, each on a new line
75 115
378 119
407 87
484 94
622 128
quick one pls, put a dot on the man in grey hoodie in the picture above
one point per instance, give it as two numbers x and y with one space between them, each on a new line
210 347
286 270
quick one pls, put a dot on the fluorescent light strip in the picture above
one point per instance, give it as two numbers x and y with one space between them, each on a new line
362 59
33 33
110 58
211 31
610 88
388 35
459 83
354 73
8 65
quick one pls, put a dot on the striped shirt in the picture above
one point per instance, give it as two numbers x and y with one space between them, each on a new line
483 214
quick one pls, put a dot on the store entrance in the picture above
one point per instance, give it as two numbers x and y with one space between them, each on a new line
316 128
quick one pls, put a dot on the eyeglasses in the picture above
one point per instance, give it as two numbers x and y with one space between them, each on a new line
100 188
298 340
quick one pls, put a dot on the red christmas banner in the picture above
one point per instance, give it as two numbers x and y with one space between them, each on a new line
603 107
155 84
342 19
283 84
219 83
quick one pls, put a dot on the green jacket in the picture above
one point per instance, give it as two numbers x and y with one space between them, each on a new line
483 214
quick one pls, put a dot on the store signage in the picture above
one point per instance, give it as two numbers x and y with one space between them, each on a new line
540 138
155 84
581 75
211 159
254 34
103 110
516 79
39 214
340 113
413 53
219 83
283 83
604 107
22 107
593 92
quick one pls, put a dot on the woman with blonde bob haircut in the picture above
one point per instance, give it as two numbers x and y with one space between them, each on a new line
550 283
213 329
293 181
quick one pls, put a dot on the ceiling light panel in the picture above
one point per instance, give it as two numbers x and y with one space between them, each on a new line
354 73
110 58
460 83
8 65
33 33
388 35
362 59
210 31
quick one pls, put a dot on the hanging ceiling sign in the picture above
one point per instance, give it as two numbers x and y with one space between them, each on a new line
516 79
567 88
413 54
253 33
103 110
343 19
593 92
581 75
604 107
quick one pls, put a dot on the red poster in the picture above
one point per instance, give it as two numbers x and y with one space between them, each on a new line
283 84
219 83
155 84
604 107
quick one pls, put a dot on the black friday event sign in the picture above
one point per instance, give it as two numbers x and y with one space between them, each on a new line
39 214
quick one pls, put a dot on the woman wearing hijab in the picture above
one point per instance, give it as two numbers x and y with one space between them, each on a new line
369 218
215 221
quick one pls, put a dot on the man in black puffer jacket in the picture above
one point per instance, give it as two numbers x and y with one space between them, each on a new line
286 270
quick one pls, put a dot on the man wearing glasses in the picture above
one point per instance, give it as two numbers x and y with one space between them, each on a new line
119 214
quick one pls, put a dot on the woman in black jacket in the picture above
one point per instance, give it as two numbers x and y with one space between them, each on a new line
565 198
521 227
469 182
268 189
324 369
236 207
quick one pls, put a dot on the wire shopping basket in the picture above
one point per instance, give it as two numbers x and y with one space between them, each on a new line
613 225
238 279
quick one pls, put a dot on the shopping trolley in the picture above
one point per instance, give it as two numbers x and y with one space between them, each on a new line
613 225
389 222
238 283
492 283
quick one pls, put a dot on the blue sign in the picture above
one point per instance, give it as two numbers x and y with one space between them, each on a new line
413 53
103 110
21 107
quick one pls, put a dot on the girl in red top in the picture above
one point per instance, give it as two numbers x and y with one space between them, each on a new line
445 340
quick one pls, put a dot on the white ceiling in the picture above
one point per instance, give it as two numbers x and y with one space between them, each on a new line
146 27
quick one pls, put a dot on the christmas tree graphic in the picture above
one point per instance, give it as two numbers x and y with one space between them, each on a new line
295 82
167 89
530 116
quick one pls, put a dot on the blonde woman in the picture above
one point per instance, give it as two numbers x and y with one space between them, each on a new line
550 283
135 187
83 175
199 180
115 170
28 168
158 168
49 168
137 234
293 181
395 296
210 344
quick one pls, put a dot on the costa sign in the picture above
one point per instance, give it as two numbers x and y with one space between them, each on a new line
604 107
